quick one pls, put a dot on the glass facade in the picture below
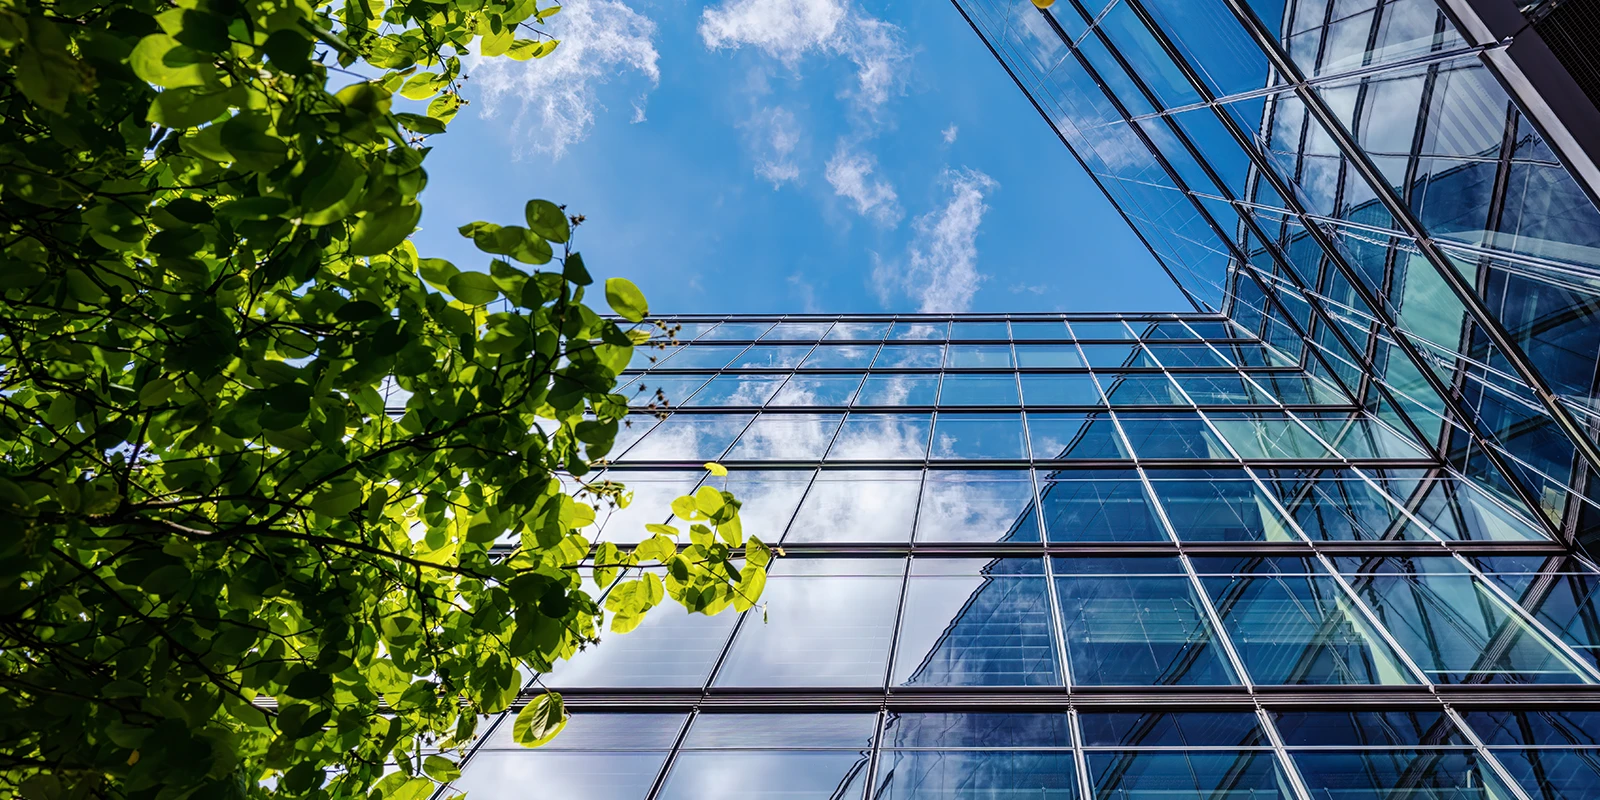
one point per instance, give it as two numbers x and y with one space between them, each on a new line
1057 557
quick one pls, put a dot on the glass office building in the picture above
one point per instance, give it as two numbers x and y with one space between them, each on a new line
1326 538
1047 557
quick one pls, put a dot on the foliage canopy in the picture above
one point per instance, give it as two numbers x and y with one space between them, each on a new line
282 503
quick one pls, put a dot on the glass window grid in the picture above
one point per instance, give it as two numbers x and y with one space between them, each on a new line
1032 550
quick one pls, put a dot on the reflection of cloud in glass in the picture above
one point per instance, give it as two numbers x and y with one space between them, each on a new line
689 437
786 437
653 493
671 648
849 356
818 631
874 437
818 390
759 774
978 436
740 390
898 390
768 499
857 506
910 355
977 507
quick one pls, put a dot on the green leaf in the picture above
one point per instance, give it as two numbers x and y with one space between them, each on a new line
15 500
338 500
46 72
575 272
417 123
716 469
379 232
437 272
656 548
163 61
309 685
548 220
156 391
246 138
290 50
708 500
626 299
473 288
440 768
187 106
423 85
539 721
524 49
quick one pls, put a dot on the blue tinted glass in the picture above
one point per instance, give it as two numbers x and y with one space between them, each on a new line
1100 330
1357 436
771 356
670 648
898 390
979 390
797 331
876 437
1344 509
1099 511
980 330
1115 355
988 506
978 436
1177 729
599 730
1180 356
1060 390
689 437
1366 728
1558 727
927 774
786 437
977 630
1302 630
1086 436
979 356
858 330
976 730
1141 390
841 356
1268 436
1420 774
761 774
701 357
1024 331
1138 631
1224 389
818 390
919 330
1187 776
737 390
737 330
715 730
1552 774
661 392
906 356
1171 436
1048 355
818 631
615 775
857 506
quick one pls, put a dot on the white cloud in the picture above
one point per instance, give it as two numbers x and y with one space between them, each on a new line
789 29
776 134
805 293
941 268
850 172
950 133
554 98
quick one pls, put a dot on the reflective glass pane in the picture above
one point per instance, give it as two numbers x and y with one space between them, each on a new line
702 357
1141 390
898 390
1162 330
841 356
786 437
857 506
880 437
1137 631
1023 331
818 390
1218 506
1300 389
1360 436
976 622
689 331
653 493
671 648
1048 355
979 390
832 630
737 330
761 774
1099 506
1341 508
906 356
979 355
859 330
1171 436
772 356
1268 436
978 436
1171 729
797 331
982 729
942 774
736 390
1060 390
1554 774
977 506
1186 356
1419 774
996 331
716 730
1222 389
661 392
1100 330
919 330
1086 436
1116 355
689 437
1559 727
1458 510
769 498
610 774
1194 775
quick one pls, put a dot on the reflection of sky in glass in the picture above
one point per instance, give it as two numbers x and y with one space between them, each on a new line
1194 775
653 493
758 774
689 437
919 774
857 506
768 498
671 648
736 390
1268 436
737 331
979 390
846 356
1137 631
675 388
979 331
919 330
910 356
1021 331
1101 510
977 507
818 390
1060 390
797 331
978 436
874 437
1222 389
1074 436
786 437
600 756
993 356
1101 330
1211 509
1171 436
817 631
772 356
858 330
977 630
1048 355
1141 390
898 390
701 357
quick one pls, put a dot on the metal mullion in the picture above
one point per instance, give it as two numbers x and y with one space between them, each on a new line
900 609
1290 769
875 748
1527 617
1079 758
1441 263
672 755
1486 753
1056 619
1277 505
1371 616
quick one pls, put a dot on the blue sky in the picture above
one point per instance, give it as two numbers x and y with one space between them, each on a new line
788 156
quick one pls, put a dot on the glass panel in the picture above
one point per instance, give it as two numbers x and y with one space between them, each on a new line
653 493
978 436
786 437
980 330
940 774
1185 356
1099 506
905 356
1060 390
979 390
772 356
1174 729
1048 355
661 392
898 390
797 331
689 331
1141 390
880 437
1357 436
1162 330
769 498
1116 355
979 355
1541 727
1302 629
671 648
1268 436
819 630
1217 506
1554 774
737 390
976 622
1341 509
1300 389
1171 436
1419 774
919 330
977 506
702 357
716 730
610 775
841 356
818 390
1088 436
1100 330
1137 631
1458 510
689 437
859 330
857 506
1199 775
1023 331
759 774
923 730
737 330
1229 388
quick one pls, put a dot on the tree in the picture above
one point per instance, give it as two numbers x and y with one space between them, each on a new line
256 448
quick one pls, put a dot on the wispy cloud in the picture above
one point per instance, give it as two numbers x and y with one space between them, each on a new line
940 271
805 292
555 97
774 134
850 172
790 29
950 133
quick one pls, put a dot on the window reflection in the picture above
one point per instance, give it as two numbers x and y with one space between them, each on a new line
737 330
926 774
1196 775
909 356
1222 389
1268 436
978 436
1218 506
919 330
1141 390
818 390
976 622
598 755
858 330
728 756
771 356
898 390
1048 355
1023 331
768 498
701 357
977 506
1098 506
1116 355
840 356
1338 506
671 648
786 437
1060 390
736 390
664 391
858 506
882 437
1100 330
979 390
979 331
1171 435
1080 436
1425 774
993 356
